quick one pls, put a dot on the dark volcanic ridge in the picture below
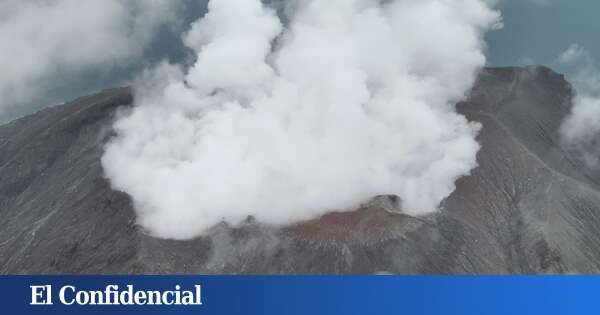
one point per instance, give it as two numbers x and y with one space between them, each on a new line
530 207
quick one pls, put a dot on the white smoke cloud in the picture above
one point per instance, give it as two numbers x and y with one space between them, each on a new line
41 39
581 130
352 99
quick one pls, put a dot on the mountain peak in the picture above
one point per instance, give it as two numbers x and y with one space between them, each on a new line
528 208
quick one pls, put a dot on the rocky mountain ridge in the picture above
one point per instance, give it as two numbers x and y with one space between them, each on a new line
529 208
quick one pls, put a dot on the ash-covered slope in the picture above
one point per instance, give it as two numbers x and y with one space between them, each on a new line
528 208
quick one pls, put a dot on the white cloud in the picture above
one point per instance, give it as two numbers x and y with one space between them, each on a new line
355 98
42 38
581 129
574 54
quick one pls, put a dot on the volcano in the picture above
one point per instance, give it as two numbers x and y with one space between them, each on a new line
530 207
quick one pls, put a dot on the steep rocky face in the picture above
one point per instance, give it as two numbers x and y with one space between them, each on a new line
529 207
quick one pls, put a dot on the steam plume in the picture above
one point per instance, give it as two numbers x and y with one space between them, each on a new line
44 39
581 130
351 99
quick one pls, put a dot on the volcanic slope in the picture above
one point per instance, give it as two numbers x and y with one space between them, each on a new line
530 207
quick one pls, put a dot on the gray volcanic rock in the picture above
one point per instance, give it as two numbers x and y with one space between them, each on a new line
529 207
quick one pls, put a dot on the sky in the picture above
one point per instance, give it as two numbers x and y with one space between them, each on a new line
535 32
538 31
46 60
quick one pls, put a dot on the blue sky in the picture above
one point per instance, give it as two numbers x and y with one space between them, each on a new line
535 32
538 31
